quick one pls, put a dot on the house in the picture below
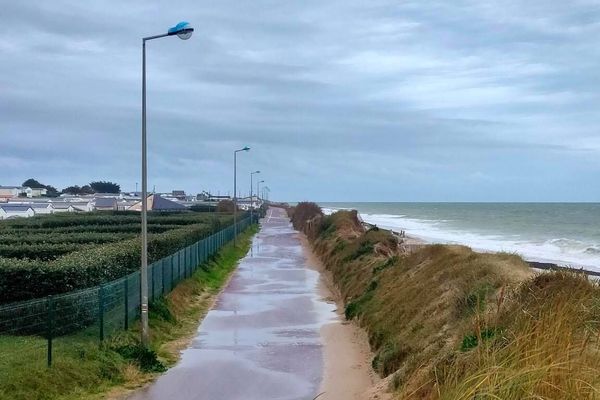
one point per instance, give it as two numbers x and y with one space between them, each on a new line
217 198
62 206
105 204
82 206
124 204
42 208
37 192
15 211
10 192
157 203
178 194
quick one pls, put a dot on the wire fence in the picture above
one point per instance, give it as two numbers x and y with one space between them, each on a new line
113 306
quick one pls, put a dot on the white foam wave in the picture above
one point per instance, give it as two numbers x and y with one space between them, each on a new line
562 251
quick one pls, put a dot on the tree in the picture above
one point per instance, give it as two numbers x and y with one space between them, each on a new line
87 189
32 183
51 191
105 187
72 190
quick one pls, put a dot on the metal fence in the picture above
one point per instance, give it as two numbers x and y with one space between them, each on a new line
105 309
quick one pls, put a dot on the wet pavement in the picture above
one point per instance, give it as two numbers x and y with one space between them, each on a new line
261 340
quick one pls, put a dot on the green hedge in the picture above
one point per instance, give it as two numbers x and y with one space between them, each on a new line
38 251
22 279
62 238
104 219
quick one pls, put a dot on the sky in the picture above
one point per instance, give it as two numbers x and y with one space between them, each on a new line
339 100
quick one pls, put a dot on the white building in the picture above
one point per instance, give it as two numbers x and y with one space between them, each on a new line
10 192
61 207
15 211
42 208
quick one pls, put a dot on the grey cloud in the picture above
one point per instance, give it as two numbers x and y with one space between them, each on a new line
436 100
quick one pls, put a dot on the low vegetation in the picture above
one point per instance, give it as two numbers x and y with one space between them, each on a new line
47 255
448 323
84 370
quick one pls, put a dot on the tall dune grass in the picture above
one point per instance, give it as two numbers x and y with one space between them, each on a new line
449 323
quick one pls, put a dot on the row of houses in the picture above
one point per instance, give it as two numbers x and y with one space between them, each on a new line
18 208
11 192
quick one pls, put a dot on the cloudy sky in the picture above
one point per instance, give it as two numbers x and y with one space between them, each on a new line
462 100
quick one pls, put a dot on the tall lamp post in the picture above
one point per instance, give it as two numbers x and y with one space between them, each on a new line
184 31
251 197
246 148
257 187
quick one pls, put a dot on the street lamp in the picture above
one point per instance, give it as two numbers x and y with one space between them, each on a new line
184 31
246 148
251 197
257 186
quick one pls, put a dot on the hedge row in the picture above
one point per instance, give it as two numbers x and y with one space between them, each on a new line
65 220
129 228
81 237
26 279
38 251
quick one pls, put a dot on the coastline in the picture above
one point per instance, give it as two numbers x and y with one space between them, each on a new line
347 372
411 242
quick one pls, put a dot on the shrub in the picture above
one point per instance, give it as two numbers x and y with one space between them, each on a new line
303 213
25 275
225 206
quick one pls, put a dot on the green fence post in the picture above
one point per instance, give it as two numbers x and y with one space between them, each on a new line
151 267
162 269
50 327
101 311
171 262
126 302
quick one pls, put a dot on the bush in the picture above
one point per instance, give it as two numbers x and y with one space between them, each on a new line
225 206
304 212
42 269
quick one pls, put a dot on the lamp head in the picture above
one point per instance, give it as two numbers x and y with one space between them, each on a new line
183 30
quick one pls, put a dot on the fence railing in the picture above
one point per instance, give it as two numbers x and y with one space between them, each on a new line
112 306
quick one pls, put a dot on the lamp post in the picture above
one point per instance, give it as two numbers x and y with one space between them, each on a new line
257 188
246 148
184 31
251 197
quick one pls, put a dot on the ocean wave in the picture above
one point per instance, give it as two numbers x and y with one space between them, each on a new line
563 251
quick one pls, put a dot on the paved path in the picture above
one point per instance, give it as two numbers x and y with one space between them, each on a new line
261 340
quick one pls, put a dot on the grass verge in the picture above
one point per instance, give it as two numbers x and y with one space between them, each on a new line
83 369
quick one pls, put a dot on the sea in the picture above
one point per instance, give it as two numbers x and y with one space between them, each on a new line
566 234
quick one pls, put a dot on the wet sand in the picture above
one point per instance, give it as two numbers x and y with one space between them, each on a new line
273 333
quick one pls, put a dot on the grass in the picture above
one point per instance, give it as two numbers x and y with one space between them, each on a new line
448 323
82 369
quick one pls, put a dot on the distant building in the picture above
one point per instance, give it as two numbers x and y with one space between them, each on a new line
217 198
38 192
105 204
63 206
42 208
10 192
16 211
179 194
158 203
125 204
82 206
